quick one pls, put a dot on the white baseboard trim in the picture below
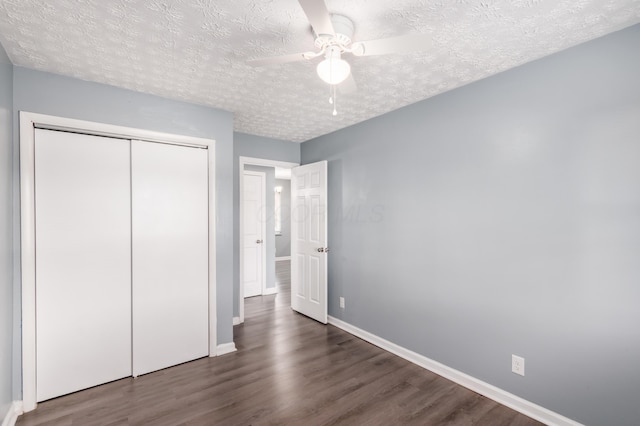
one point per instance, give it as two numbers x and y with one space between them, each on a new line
236 321
226 348
283 258
15 410
269 291
492 392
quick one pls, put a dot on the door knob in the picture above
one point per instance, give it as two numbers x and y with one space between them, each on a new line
321 250
258 241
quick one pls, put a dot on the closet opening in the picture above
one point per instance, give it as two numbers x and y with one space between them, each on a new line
133 166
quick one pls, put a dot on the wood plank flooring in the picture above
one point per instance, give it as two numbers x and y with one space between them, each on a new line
288 370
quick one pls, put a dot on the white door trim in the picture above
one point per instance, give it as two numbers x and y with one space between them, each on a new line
254 162
263 219
28 122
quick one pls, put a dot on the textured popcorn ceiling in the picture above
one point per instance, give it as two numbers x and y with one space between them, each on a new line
195 50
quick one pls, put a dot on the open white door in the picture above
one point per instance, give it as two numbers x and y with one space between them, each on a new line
309 240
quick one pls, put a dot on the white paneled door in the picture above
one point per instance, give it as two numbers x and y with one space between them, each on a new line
309 240
170 255
83 258
253 229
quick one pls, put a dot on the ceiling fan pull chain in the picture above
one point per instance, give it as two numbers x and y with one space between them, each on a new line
335 101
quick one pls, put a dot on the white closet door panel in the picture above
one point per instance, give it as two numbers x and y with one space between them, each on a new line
83 261
170 255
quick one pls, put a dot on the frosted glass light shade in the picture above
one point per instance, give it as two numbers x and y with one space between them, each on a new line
334 70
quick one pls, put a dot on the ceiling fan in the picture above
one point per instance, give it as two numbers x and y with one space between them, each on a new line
333 39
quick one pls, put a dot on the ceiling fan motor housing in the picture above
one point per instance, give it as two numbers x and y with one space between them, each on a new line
343 28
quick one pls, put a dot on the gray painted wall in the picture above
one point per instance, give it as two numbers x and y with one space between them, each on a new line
255 147
283 241
503 218
46 93
270 235
6 232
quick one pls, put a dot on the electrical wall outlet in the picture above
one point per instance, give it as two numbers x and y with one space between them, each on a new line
517 364
342 302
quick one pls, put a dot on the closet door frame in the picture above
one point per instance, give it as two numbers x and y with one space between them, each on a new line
28 123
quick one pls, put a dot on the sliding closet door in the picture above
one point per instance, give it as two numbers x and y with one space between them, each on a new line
170 255
83 261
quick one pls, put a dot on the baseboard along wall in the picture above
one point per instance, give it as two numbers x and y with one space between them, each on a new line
270 291
226 348
11 417
501 396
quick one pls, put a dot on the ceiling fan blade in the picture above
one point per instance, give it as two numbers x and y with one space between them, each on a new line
401 44
318 16
348 86
274 60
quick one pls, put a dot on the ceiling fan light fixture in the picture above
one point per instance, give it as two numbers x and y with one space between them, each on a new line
333 70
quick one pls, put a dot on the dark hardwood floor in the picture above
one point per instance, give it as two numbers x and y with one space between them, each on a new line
288 370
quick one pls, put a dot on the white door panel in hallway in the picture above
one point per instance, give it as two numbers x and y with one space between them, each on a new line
309 240
254 233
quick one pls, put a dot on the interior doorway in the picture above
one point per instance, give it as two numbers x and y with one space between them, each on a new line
275 213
